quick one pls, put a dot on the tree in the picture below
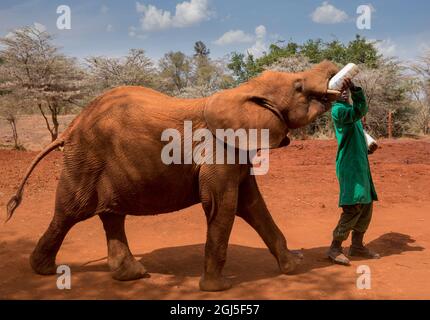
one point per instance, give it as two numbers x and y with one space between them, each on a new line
420 91
296 63
361 51
203 69
175 71
386 89
276 53
335 51
243 67
35 70
134 69
200 50
10 107
313 50
207 76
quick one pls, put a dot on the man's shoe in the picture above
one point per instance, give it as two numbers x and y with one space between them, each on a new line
358 249
336 255
363 252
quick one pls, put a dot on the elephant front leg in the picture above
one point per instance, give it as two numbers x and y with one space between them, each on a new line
252 208
220 209
121 262
215 253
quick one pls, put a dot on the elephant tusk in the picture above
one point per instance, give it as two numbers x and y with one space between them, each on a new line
330 91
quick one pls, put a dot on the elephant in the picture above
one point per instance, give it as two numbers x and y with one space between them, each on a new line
112 166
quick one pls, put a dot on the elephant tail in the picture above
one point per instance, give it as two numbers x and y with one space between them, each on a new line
15 201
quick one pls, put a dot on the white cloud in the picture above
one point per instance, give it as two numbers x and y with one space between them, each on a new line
240 36
187 13
39 27
109 28
328 14
234 36
259 47
386 47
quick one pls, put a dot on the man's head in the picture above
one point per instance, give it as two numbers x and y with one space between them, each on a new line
344 96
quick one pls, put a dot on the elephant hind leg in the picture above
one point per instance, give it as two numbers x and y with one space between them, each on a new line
68 212
121 262
42 260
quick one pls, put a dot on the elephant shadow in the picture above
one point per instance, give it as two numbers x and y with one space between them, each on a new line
245 264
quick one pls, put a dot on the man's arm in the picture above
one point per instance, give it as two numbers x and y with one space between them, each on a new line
346 115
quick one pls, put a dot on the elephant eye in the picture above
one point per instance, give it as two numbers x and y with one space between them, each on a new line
320 97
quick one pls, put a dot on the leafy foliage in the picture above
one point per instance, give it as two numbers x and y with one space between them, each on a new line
358 51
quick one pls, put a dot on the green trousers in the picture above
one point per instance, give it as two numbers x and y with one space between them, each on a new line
354 217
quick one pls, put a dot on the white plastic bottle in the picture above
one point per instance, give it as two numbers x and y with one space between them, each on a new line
349 71
372 145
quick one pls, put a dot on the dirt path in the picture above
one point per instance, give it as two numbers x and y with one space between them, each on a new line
301 192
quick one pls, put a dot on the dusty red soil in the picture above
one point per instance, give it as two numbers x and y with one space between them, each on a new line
301 191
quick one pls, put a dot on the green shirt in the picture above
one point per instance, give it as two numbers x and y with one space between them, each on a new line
352 164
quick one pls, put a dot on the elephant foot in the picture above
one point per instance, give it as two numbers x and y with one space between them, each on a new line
43 265
291 260
214 284
130 269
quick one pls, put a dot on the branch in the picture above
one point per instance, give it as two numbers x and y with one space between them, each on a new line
44 116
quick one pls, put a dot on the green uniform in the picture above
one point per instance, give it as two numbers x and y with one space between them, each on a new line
357 191
352 164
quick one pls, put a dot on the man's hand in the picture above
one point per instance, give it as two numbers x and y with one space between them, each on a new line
347 84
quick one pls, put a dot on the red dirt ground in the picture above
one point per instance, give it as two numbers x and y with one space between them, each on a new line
301 191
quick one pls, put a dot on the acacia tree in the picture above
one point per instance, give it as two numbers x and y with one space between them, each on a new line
10 107
35 70
134 69
420 90
386 89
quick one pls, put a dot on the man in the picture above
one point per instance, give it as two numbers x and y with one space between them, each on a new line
357 191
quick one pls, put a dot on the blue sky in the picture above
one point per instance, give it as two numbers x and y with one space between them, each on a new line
111 28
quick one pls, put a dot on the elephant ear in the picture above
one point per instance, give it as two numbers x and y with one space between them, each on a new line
233 110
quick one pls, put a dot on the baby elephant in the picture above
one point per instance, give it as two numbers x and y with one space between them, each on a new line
114 165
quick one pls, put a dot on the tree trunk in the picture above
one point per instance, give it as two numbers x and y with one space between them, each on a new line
12 122
390 124
54 116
